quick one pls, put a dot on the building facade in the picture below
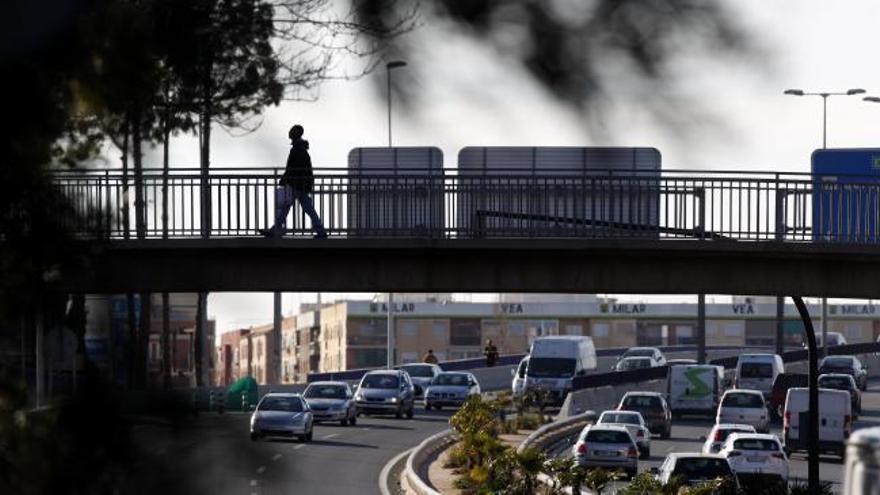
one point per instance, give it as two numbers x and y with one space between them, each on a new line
353 334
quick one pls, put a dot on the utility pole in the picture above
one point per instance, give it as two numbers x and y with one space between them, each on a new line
701 328
389 316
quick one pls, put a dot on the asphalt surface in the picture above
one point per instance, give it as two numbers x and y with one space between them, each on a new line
687 432
213 454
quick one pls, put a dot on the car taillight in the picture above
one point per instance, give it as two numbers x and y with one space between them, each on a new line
582 448
734 453
778 455
718 436
786 420
632 452
640 434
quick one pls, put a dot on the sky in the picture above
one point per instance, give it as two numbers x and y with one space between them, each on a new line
471 96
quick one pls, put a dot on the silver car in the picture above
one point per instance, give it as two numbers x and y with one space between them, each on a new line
331 401
744 407
607 446
385 392
282 415
451 389
421 375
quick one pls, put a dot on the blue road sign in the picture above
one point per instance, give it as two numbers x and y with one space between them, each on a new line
846 195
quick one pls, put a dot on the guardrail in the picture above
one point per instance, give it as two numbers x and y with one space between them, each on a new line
659 372
461 203
505 360
420 455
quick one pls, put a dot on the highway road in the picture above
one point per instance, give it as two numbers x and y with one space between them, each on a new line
213 454
686 434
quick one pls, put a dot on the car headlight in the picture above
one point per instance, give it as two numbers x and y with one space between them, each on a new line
393 400
359 396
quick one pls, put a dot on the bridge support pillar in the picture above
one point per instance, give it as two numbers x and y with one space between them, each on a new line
701 328
276 339
780 325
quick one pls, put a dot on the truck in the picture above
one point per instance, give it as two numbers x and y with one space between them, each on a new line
695 388
554 361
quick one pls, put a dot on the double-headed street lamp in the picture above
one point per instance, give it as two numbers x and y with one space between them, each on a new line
824 95
388 68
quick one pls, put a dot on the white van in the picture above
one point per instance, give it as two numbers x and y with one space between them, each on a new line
862 471
518 385
758 372
555 361
695 388
835 420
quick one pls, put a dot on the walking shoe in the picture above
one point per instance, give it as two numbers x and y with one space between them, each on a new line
269 232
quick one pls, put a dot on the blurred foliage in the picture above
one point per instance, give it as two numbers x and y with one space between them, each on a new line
587 54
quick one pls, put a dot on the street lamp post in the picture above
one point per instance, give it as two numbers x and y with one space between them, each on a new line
813 421
388 68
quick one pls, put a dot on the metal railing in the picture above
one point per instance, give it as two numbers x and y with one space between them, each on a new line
455 204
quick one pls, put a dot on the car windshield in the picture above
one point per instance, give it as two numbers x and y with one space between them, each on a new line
756 370
288 404
608 436
742 400
756 444
543 367
702 468
837 362
639 353
419 370
451 379
634 364
325 392
837 382
625 418
723 433
642 402
379 381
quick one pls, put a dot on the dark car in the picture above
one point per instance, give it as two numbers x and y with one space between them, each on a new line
849 365
783 382
840 381
654 409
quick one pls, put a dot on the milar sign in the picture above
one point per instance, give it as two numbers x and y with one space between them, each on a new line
398 307
625 309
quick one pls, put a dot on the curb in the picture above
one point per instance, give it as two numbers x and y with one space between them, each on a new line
420 454
386 471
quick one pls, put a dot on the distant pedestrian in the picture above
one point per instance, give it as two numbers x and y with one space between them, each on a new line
430 358
491 353
295 185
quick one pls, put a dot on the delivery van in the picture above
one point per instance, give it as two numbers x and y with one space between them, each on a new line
835 420
695 388
555 361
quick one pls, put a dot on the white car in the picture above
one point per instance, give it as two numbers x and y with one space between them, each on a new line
519 377
757 459
719 433
744 407
282 415
635 363
635 424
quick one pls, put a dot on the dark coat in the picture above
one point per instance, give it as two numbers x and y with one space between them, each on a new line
298 172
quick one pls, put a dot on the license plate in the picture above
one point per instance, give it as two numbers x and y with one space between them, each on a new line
607 453
755 459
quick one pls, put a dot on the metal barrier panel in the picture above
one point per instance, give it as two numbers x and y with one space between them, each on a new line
395 191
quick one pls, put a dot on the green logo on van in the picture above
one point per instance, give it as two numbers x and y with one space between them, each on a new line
698 388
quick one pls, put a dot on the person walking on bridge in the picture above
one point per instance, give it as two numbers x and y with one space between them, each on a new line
295 185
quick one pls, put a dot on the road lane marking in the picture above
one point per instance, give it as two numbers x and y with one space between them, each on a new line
261 469
276 457
325 437
253 482
299 446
